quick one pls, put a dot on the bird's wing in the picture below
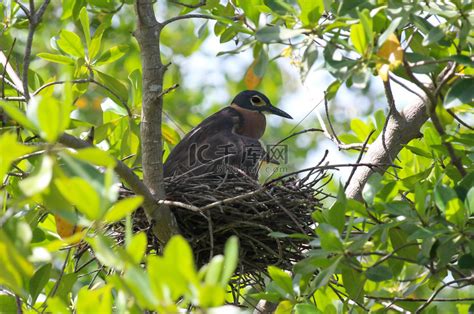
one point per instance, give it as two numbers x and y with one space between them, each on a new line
213 129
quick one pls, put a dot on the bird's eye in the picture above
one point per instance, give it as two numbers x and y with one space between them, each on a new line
256 101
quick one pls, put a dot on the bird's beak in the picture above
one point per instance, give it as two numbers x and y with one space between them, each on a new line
277 112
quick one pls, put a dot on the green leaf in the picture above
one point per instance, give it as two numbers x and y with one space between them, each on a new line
284 307
81 194
353 283
378 273
325 275
11 150
112 55
96 41
460 93
367 24
336 214
214 270
442 195
330 238
94 156
306 308
120 92
39 280
123 208
85 25
279 6
281 278
231 259
56 58
70 43
466 261
136 248
40 178
8 304
358 38
434 36
179 252
97 300
49 116
17 115
311 11
270 34
332 89
15 267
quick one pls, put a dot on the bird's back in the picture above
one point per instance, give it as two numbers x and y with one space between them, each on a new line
214 147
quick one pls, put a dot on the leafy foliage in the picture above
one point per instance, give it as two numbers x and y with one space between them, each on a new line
408 245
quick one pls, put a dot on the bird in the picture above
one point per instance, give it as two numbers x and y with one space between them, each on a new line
228 140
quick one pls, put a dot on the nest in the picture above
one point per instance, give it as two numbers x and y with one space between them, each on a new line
272 221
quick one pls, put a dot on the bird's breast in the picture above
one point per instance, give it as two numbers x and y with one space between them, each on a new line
252 123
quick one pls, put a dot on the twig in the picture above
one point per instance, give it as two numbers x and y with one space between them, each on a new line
390 99
35 18
399 82
23 8
470 281
326 109
5 68
399 299
187 16
58 281
459 119
328 167
190 6
168 90
340 146
358 159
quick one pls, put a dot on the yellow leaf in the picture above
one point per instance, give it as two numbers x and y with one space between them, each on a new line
390 56
251 80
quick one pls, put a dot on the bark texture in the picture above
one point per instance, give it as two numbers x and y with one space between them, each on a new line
400 129
153 70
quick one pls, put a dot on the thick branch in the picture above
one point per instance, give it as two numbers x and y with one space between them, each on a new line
148 34
400 129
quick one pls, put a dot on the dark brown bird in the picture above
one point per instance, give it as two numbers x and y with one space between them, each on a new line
225 141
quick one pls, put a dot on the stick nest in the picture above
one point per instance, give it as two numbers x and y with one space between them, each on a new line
262 216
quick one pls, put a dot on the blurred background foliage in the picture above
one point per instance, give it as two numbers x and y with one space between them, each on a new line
412 240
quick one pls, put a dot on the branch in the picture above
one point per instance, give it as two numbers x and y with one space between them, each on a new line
148 36
468 280
187 16
190 6
35 18
399 131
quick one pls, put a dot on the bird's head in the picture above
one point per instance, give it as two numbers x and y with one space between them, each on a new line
256 101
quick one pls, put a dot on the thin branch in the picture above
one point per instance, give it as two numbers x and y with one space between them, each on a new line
402 84
390 99
168 90
326 109
187 16
4 79
470 281
23 8
190 6
340 146
399 299
359 159
459 119
87 80
35 18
